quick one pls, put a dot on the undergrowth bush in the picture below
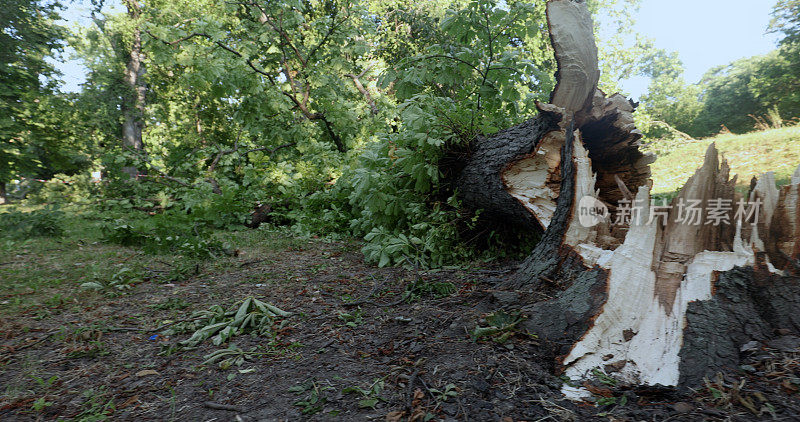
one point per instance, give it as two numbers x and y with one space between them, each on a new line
165 234
114 284
60 189
401 192
45 222
223 211
326 212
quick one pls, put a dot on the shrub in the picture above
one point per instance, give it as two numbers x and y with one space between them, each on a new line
61 189
485 77
165 233
113 285
223 211
45 222
326 212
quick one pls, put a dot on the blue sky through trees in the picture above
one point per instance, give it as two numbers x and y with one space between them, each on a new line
705 33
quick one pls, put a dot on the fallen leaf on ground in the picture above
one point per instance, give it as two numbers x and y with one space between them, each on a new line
146 372
395 416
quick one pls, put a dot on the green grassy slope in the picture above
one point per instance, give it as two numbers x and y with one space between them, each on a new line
748 155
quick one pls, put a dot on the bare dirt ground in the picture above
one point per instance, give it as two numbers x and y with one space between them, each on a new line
351 350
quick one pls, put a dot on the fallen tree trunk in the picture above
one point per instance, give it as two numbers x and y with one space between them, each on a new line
261 214
662 294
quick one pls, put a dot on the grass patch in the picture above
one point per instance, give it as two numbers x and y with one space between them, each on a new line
35 270
45 273
748 155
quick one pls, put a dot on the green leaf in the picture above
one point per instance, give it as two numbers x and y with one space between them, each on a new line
371 403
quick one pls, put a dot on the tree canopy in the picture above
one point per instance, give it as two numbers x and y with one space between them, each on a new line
347 117
29 36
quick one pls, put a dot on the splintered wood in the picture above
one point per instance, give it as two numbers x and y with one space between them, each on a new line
535 180
662 266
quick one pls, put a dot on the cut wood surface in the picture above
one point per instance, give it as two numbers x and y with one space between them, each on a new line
572 36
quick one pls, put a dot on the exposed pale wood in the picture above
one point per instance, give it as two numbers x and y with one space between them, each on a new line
639 333
683 236
626 193
535 180
662 270
767 193
577 232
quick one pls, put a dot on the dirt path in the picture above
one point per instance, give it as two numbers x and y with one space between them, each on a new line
97 358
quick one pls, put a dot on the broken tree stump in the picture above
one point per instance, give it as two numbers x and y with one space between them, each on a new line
648 292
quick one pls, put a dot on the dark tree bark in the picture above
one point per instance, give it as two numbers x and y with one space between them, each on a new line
654 299
481 182
3 197
750 304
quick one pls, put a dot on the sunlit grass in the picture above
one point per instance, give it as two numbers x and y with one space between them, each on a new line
46 272
36 269
751 154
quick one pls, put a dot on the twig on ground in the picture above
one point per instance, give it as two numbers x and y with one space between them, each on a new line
410 390
396 302
325 346
365 299
255 261
41 339
219 406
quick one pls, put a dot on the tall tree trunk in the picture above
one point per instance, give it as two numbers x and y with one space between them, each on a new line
2 193
134 105
653 298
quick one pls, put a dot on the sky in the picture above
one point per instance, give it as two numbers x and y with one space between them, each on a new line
76 13
705 33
